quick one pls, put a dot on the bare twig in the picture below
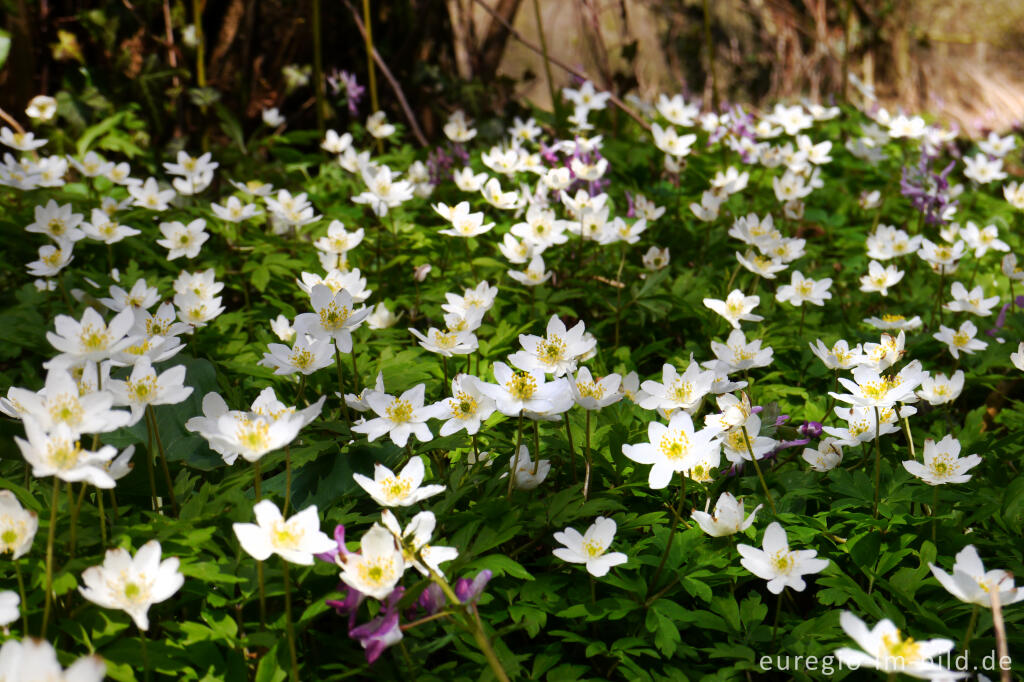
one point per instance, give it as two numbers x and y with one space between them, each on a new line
13 121
391 79
562 65
1000 630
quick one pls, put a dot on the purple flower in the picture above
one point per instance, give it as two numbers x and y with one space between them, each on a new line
381 632
469 591
781 419
810 429
345 81
431 599
333 555
350 605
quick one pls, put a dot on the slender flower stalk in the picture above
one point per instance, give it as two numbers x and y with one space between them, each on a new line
260 576
757 468
878 463
572 453
21 592
341 387
515 466
48 602
163 460
586 476
677 516
288 620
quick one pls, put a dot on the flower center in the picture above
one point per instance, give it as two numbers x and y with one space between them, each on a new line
63 454
93 338
144 389
285 535
463 406
904 651
783 561
593 548
674 446
254 435
551 350
399 411
522 386
333 316
66 408
301 358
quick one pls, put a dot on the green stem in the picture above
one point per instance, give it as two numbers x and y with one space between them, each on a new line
475 626
970 627
371 74
341 386
711 56
444 365
150 455
148 672
103 516
75 506
163 461
572 452
54 501
24 604
671 535
197 16
357 380
544 54
586 440
318 69
288 621
878 462
287 480
515 457
260 577
757 468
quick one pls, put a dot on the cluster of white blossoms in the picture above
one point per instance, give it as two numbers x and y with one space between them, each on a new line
549 202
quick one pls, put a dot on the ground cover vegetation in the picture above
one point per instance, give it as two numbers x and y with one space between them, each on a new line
686 394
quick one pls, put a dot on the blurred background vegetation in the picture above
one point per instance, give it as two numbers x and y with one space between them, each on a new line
171 68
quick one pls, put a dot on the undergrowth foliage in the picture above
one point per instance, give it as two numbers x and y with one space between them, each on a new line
564 399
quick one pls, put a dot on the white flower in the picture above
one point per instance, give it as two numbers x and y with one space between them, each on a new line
676 448
942 463
34 660
145 387
591 394
467 407
307 355
378 566
839 356
677 391
827 456
446 343
18 526
57 222
891 321
23 142
727 519
760 265
133 584
149 195
234 211
399 417
870 389
880 278
735 443
1018 358
336 144
41 108
655 258
983 170
335 317
885 649
517 392
972 301
777 564
414 540
740 355
528 473
962 340
272 117
939 389
972 584
61 401
59 453
556 353
9 612
801 289
183 240
402 490
591 548
735 308
983 239
378 126
295 540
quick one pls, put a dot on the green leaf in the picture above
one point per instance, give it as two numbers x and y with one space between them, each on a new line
5 46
